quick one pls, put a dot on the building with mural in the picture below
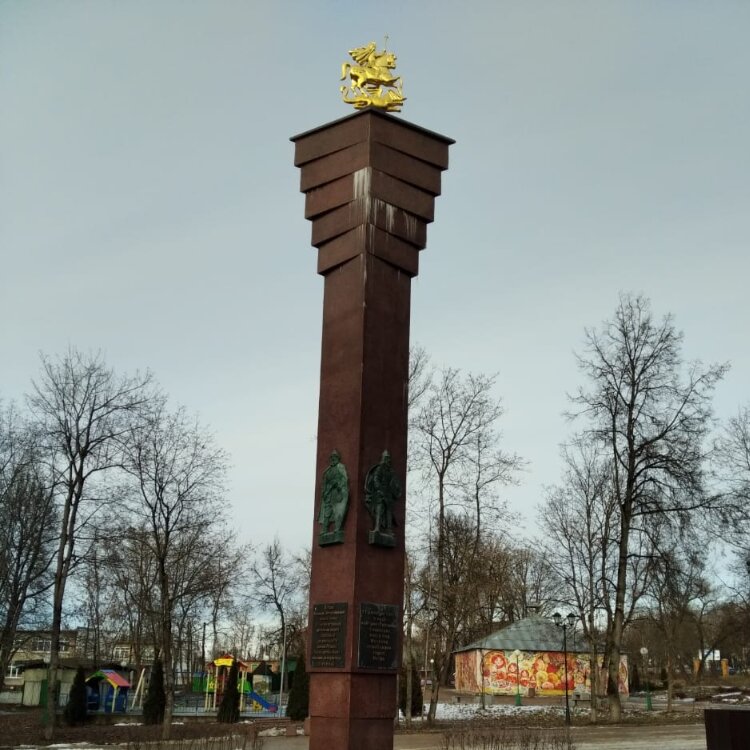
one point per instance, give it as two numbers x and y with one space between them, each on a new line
527 657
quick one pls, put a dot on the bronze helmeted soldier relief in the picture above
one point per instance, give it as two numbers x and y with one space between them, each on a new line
334 501
382 489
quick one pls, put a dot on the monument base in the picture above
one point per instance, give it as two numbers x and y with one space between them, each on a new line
331 537
727 728
382 539
352 711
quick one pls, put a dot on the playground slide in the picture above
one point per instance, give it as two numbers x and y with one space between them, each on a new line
259 699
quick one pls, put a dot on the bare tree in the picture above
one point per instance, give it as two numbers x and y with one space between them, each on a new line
678 581
27 530
453 612
420 379
530 581
178 480
716 621
480 583
134 574
102 606
486 468
300 605
457 416
653 419
277 585
242 631
578 517
409 614
84 410
420 375
733 470
226 569
734 453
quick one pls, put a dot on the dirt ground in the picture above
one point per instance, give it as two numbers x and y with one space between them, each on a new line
25 727
629 737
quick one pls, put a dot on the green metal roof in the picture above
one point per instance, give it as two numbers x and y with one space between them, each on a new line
530 634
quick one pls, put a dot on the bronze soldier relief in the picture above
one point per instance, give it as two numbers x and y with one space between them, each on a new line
382 489
334 501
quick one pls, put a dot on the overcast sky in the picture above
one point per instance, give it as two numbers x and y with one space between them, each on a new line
149 206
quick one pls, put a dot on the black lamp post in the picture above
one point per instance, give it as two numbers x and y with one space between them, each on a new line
644 654
203 652
516 655
568 622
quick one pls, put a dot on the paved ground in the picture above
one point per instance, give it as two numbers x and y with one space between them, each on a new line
680 737
675 737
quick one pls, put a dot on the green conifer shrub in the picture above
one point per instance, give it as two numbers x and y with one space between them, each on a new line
76 710
229 708
298 705
416 691
156 699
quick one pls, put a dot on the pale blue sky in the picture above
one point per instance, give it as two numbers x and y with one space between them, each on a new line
149 205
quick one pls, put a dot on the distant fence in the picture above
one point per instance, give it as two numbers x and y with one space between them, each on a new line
194 705
14 697
259 713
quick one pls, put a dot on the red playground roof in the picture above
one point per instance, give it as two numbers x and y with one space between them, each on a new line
111 677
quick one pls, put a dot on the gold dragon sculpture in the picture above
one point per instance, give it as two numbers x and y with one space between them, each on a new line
372 82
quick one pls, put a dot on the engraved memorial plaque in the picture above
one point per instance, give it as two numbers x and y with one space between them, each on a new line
378 636
328 635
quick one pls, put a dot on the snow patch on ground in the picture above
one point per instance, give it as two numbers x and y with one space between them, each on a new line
468 711
460 711
272 732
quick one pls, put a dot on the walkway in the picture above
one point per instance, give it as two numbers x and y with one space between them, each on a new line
680 737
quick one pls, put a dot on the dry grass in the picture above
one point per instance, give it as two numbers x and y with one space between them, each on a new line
477 737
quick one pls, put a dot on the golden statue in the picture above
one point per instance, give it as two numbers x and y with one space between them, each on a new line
372 82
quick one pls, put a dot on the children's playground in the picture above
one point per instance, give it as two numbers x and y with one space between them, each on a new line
257 685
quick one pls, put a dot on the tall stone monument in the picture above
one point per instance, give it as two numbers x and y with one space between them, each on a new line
370 182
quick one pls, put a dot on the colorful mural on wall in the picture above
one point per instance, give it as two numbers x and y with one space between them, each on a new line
500 673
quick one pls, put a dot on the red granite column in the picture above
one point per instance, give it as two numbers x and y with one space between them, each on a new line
370 182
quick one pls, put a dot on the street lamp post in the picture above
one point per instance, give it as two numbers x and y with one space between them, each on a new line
569 622
203 652
283 669
644 654
481 665
432 677
515 655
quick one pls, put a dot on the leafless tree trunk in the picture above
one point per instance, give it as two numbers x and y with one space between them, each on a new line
133 572
577 517
178 477
277 586
456 412
27 530
420 376
678 581
226 569
733 469
653 421
85 410
409 655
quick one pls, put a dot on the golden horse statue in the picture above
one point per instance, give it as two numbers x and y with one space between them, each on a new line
373 84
